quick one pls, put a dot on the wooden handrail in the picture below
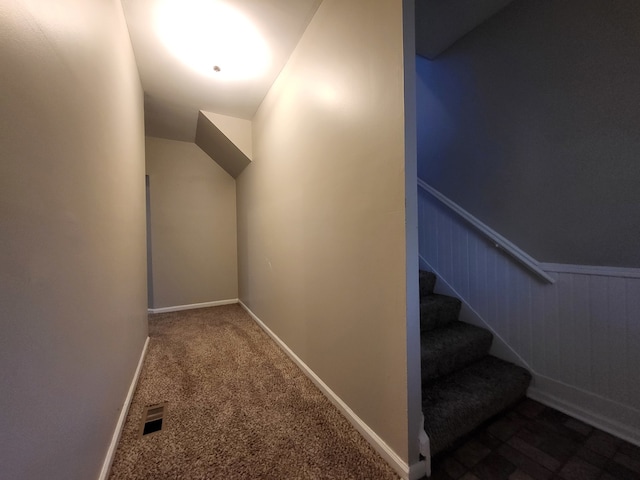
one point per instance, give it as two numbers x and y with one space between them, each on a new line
496 239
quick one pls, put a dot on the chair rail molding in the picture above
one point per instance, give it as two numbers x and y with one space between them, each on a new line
496 239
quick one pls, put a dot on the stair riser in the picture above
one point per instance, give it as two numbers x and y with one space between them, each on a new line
438 361
455 405
435 315
427 283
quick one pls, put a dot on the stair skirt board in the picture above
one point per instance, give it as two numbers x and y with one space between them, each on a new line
108 460
413 472
192 306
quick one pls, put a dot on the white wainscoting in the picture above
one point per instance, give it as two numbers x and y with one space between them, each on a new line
580 336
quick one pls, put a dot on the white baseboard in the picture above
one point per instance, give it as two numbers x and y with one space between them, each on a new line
106 466
178 308
607 415
420 469
391 457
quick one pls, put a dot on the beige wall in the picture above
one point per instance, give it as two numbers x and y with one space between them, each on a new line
72 237
193 225
321 210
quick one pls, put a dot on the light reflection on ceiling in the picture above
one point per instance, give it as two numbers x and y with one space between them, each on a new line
212 38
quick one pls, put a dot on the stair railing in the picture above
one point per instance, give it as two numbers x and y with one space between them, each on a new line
494 237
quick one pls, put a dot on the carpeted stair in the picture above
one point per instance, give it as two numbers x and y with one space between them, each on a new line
462 385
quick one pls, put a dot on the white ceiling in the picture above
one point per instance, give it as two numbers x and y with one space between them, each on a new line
174 92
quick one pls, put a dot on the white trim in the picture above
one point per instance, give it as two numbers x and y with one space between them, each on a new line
621 272
424 446
412 293
178 308
420 469
612 417
108 460
498 240
392 458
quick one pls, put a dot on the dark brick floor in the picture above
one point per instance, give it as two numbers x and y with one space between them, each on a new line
534 442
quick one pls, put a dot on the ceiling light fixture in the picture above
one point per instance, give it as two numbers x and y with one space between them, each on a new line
202 33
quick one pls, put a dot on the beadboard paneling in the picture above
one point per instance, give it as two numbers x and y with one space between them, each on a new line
580 336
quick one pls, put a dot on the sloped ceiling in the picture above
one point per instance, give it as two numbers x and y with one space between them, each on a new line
220 145
440 23
175 93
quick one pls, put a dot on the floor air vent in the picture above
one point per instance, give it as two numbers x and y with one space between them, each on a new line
153 418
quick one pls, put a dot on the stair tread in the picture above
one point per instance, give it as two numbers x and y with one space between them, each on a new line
452 347
456 404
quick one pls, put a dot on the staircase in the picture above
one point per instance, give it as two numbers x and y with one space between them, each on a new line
462 385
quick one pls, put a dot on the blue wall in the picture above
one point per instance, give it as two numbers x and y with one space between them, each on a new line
532 123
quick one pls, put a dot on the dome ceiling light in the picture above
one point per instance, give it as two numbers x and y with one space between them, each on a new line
212 38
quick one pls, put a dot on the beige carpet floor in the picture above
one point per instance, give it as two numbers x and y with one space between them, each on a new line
238 408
